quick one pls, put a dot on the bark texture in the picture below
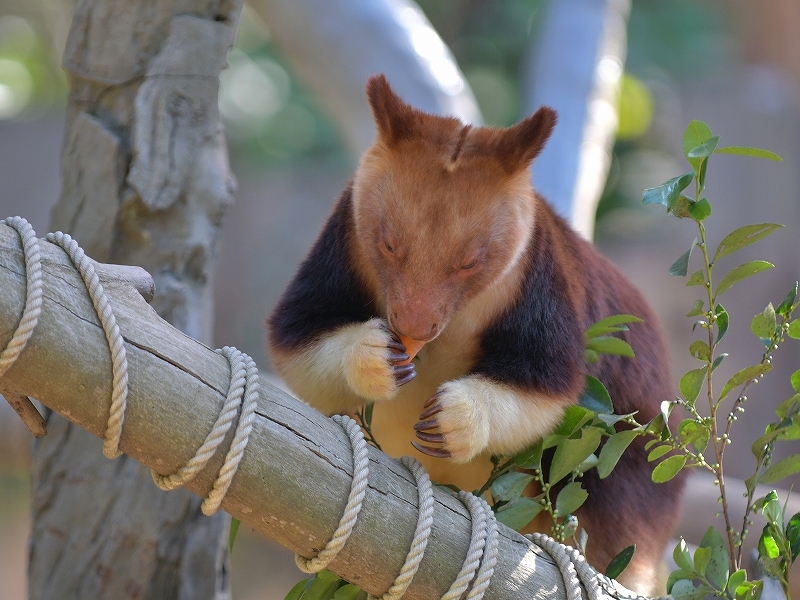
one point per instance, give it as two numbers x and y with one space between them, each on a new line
145 181
294 478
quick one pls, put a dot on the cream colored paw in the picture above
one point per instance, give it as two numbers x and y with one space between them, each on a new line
474 414
366 359
462 420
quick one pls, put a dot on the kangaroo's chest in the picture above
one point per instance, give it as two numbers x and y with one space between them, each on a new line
448 357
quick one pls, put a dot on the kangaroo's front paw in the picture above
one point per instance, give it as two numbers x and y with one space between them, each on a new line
370 361
455 421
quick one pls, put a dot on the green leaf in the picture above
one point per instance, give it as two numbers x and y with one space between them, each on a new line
590 356
682 557
684 589
680 574
736 579
786 306
783 468
700 350
742 272
668 469
761 445
705 149
510 486
691 383
790 404
701 175
232 533
794 329
667 193
767 546
696 133
700 210
696 279
697 309
717 569
609 345
747 151
368 410
744 236
612 451
681 266
764 323
297 590
658 452
595 396
570 499
743 376
722 321
620 562
793 535
589 463
570 453
695 433
574 418
718 360
530 458
613 419
350 592
519 513
680 208
322 586
749 590
701 558
607 325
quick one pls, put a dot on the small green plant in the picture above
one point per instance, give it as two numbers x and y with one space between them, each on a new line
702 437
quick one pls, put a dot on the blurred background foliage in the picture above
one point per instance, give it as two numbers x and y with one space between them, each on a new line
271 119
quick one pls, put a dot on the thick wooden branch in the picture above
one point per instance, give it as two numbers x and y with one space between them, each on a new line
293 482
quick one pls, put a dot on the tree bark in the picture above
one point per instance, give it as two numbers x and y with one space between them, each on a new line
145 181
295 475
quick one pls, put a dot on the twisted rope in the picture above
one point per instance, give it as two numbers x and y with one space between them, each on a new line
33 293
576 572
119 360
421 533
242 392
476 546
358 489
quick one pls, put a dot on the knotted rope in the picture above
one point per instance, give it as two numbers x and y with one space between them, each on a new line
242 394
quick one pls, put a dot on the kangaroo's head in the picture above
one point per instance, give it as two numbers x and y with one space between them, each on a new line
442 209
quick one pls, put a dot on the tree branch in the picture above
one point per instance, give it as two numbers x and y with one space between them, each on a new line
293 481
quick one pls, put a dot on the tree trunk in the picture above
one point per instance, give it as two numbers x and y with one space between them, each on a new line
145 181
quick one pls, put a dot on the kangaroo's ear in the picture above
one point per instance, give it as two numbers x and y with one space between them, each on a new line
394 118
518 145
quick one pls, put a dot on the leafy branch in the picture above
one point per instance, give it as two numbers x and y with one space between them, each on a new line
709 571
